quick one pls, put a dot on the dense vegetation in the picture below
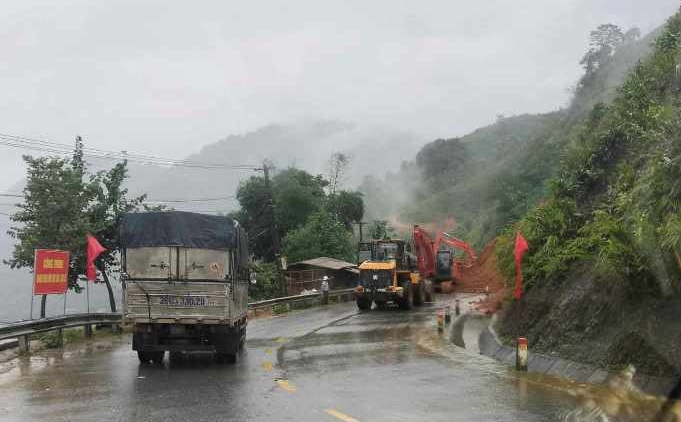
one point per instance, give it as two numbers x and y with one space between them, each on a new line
614 206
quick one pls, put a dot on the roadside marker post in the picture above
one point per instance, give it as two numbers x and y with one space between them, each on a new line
521 354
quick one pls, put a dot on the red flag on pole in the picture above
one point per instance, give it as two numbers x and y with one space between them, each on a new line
94 249
520 248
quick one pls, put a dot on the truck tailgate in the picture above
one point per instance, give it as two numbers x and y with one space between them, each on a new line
185 303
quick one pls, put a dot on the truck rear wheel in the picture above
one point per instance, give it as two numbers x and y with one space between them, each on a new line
363 304
146 356
157 357
222 357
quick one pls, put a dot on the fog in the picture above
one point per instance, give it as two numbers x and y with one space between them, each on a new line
166 78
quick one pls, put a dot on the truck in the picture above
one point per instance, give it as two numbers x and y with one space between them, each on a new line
387 275
185 283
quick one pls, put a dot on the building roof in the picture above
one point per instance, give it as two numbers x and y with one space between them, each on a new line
325 262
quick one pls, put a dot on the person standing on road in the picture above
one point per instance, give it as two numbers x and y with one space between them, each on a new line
325 290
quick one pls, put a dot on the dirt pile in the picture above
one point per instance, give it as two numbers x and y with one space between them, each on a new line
484 276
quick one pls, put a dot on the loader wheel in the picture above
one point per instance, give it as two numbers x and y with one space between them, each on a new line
428 291
364 304
157 357
380 304
407 301
419 294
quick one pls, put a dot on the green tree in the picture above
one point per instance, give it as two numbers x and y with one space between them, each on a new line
604 40
347 207
321 235
338 165
381 229
297 194
60 208
267 284
107 206
52 215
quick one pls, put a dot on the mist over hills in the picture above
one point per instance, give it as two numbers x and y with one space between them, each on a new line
306 145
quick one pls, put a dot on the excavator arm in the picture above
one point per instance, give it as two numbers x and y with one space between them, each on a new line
455 243
425 252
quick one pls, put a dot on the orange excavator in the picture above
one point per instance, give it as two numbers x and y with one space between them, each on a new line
436 259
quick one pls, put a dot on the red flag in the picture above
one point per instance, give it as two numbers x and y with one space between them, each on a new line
94 249
520 248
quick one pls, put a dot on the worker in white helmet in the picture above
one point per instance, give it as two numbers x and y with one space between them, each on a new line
325 290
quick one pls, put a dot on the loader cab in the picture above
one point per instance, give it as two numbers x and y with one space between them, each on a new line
382 250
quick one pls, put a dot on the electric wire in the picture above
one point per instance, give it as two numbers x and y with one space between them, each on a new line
58 148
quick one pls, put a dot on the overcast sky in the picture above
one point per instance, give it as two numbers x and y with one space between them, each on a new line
168 77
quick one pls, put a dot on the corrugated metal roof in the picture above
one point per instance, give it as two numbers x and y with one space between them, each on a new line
325 262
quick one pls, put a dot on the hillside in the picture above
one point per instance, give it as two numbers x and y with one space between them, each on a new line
602 274
491 177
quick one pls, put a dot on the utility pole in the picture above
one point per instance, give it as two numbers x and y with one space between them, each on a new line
274 230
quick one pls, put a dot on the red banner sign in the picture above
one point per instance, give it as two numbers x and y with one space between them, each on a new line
51 272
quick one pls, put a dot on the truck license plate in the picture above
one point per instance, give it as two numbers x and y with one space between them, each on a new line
171 300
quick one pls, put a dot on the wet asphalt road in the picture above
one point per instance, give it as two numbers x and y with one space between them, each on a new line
326 364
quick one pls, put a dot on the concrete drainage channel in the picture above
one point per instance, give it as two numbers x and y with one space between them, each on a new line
488 344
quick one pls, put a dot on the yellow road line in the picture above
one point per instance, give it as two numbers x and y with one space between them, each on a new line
267 366
284 384
268 351
280 340
342 416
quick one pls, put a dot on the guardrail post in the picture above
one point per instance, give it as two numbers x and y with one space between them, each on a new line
87 330
24 344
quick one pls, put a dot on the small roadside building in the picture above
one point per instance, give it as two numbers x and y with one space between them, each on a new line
308 274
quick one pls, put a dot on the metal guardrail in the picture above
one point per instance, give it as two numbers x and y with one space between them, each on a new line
38 326
24 329
263 304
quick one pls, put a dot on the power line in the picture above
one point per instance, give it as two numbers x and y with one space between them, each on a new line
150 201
21 142
173 201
